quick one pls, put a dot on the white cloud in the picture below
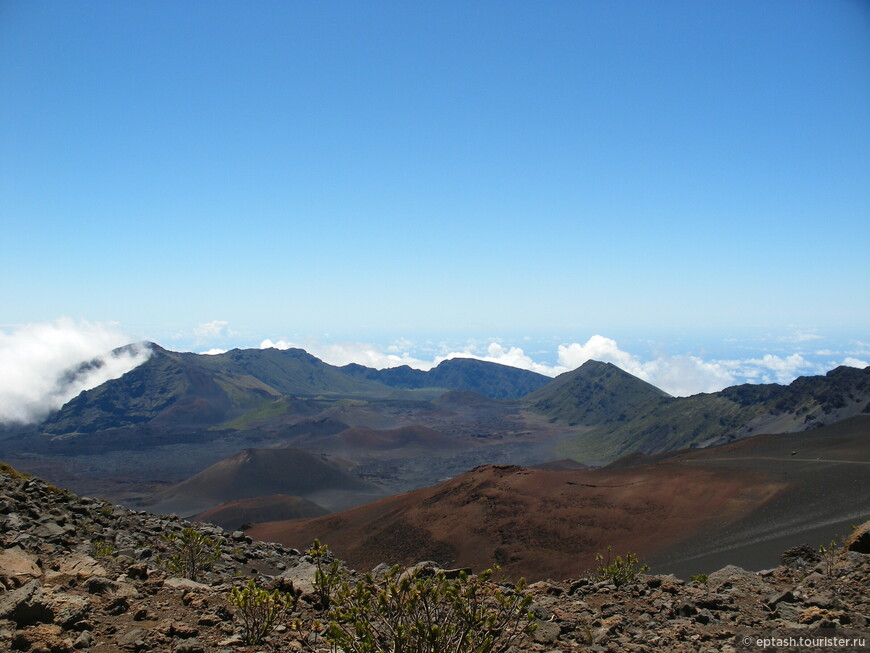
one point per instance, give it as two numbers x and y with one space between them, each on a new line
212 330
513 356
855 362
214 351
597 348
281 344
678 375
686 375
773 369
38 365
343 353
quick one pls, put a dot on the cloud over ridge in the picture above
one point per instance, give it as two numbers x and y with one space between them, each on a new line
679 375
44 365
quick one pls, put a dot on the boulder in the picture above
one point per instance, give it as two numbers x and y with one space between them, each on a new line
81 566
69 609
800 557
185 583
17 567
27 605
859 540
734 577
302 577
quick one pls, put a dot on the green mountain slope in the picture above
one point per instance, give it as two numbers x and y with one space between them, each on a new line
736 412
492 380
595 393
184 389
290 371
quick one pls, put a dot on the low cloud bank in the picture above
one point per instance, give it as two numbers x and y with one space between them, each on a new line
678 375
42 366
344 353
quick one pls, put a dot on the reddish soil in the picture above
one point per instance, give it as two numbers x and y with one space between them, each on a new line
543 523
534 523
234 514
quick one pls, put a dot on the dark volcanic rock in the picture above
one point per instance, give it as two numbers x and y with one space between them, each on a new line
859 540
104 586
800 557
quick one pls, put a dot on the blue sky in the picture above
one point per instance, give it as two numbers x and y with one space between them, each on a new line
387 172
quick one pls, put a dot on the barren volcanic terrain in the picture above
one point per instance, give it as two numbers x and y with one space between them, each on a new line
683 512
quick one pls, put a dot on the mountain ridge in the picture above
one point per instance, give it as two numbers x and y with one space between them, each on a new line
493 380
184 389
705 419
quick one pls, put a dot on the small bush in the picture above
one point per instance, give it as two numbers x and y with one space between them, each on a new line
404 612
260 609
830 555
699 578
329 574
195 553
103 549
619 571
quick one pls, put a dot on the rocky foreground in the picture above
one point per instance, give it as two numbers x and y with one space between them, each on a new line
79 574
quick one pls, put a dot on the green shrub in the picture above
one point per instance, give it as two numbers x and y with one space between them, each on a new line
408 613
329 574
619 571
195 553
699 578
103 549
259 609
830 555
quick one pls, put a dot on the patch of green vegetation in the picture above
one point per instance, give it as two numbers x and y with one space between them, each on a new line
619 571
830 555
259 609
406 610
352 403
266 410
244 390
418 394
8 470
103 549
666 426
194 553
329 574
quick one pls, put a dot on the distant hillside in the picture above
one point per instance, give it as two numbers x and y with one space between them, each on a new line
184 389
534 523
237 514
361 439
741 503
261 472
489 379
464 399
595 393
668 424
243 386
